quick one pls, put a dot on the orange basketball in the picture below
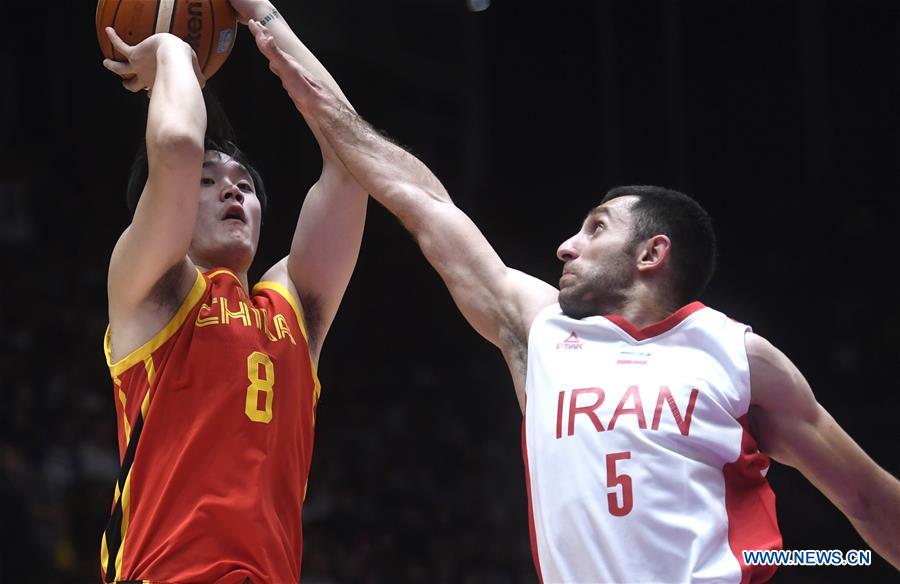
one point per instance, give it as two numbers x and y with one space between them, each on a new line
209 26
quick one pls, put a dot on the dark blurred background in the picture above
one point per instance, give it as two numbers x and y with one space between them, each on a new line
780 117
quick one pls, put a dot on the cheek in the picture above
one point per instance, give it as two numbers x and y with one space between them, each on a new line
206 206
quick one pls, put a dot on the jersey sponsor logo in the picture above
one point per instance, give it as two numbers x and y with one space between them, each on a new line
570 343
219 312
632 358
586 402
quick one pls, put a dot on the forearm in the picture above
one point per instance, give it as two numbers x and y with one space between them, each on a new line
877 517
391 175
176 117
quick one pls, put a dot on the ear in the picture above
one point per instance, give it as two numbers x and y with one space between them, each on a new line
653 253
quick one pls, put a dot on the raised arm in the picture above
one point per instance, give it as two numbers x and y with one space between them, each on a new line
159 235
329 230
795 430
498 302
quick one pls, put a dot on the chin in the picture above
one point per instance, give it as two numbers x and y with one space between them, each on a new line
573 305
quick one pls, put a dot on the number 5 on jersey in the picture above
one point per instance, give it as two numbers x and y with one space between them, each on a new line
266 384
614 480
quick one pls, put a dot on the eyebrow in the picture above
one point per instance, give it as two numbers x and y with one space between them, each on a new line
598 210
243 169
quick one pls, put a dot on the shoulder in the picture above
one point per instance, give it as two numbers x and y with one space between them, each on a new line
774 379
277 280
764 358
164 310
529 296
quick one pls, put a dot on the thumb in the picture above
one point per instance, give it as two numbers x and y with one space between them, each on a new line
118 44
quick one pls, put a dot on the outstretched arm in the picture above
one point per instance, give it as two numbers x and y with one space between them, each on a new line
795 430
157 240
498 302
329 230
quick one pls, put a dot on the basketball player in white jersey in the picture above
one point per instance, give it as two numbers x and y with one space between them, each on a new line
646 413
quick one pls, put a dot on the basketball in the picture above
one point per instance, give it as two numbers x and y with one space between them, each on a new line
209 26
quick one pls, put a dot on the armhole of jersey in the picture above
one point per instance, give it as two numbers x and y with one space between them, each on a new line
741 362
539 318
159 338
282 291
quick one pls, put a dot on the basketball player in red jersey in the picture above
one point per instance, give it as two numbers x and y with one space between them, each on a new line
215 382
621 490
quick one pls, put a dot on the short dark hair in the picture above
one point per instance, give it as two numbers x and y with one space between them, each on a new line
139 172
662 211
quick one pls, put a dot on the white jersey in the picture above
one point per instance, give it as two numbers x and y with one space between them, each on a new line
639 460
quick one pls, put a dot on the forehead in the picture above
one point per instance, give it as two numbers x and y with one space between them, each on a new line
617 210
219 161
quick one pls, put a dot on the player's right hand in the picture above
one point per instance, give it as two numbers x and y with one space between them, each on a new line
301 86
138 71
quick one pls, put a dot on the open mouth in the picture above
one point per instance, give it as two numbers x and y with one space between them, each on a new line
235 212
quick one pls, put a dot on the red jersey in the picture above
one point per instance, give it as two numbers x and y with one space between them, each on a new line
215 426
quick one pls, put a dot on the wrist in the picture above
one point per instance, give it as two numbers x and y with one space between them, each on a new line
170 46
263 12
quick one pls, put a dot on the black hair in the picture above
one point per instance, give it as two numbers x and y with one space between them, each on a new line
137 177
219 137
661 211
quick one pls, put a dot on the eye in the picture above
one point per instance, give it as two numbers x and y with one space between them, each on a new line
206 181
596 227
246 187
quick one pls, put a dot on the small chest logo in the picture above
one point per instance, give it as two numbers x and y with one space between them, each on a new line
571 343
632 358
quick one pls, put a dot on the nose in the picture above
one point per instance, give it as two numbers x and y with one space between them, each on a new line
567 250
232 192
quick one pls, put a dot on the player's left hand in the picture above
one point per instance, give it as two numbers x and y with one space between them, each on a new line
138 71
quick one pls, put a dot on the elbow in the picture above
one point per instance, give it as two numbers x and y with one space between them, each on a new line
175 143
417 206
414 196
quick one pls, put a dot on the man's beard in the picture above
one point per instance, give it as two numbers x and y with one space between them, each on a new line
601 292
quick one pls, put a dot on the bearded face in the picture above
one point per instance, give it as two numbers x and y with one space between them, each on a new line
599 261
597 288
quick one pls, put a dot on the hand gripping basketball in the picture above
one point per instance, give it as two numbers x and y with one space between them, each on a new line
208 26
138 71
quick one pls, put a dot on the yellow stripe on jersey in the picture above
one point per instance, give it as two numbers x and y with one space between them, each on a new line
159 338
225 271
286 294
104 546
104 553
124 400
126 515
126 491
151 372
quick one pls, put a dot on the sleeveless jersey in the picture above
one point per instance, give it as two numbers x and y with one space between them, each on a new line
639 461
215 427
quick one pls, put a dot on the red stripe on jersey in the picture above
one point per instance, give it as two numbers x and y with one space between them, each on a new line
657 328
750 504
531 535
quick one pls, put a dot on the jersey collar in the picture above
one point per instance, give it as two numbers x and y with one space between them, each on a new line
657 328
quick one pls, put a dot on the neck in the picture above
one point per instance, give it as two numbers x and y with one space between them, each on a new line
645 308
241 276
643 316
